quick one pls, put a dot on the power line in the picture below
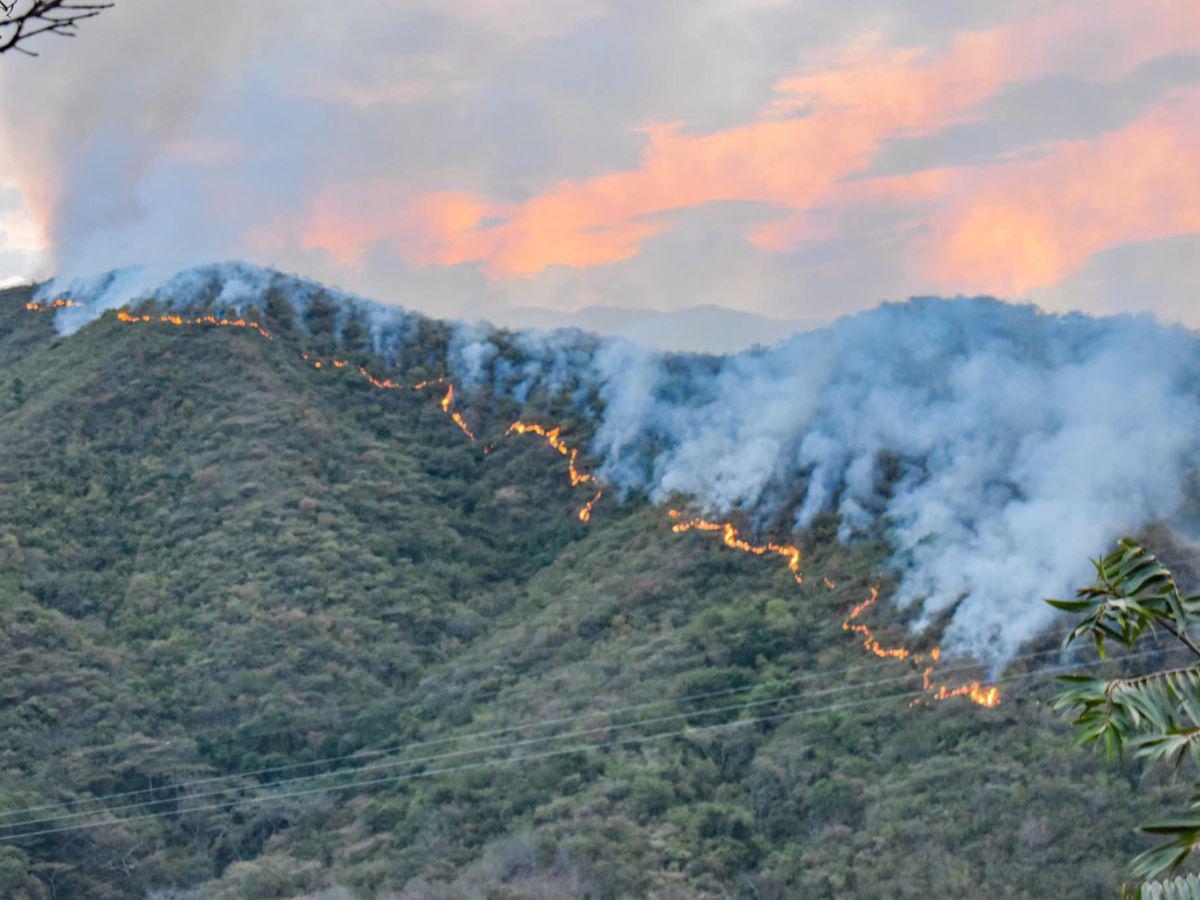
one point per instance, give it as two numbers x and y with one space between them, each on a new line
368 754
468 752
511 745
406 704
642 739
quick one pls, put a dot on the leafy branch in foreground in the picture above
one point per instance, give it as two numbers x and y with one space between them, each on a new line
1156 715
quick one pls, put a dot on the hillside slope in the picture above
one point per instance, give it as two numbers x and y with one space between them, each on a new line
216 559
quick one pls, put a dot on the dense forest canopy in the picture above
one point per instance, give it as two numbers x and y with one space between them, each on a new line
318 618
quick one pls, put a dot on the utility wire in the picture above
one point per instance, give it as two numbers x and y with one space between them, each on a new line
524 758
512 745
829 673
387 751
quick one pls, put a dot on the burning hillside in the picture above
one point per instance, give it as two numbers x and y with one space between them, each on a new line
995 445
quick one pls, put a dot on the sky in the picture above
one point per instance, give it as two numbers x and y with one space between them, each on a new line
795 160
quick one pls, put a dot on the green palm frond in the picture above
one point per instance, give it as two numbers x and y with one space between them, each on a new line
1158 714
1185 887
1134 592
1184 833
1145 710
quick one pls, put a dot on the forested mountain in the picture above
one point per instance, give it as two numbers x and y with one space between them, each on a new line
268 630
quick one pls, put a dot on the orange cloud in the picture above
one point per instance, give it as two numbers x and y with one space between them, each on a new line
1027 225
346 220
827 123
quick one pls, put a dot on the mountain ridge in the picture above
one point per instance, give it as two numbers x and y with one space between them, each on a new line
956 427
218 559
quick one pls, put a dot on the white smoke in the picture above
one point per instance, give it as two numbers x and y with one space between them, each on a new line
997 446
236 286
1001 447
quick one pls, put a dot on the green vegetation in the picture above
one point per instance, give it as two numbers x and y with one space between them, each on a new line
215 559
1157 715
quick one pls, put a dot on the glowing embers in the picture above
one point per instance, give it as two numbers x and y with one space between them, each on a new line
332 364
585 512
552 436
974 691
983 695
872 644
729 534
446 403
455 415
58 303
385 383
208 319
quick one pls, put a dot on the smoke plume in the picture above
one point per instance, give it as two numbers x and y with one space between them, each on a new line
998 447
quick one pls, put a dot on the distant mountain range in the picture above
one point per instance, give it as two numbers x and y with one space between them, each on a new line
696 329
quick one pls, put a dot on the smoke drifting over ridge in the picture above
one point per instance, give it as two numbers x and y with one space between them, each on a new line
999 447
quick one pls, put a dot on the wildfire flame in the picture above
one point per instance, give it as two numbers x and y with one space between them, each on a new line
552 436
731 538
382 383
456 416
585 513
58 303
987 696
977 693
174 319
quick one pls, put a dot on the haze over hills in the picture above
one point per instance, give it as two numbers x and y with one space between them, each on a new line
272 630
696 329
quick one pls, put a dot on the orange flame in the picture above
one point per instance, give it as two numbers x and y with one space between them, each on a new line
869 639
731 538
552 436
585 514
58 303
454 414
974 691
175 319
977 693
383 383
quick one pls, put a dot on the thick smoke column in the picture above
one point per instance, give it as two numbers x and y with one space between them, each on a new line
998 447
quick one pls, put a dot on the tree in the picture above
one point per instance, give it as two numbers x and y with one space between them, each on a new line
1156 715
25 19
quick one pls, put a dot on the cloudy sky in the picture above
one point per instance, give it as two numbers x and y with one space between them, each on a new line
466 157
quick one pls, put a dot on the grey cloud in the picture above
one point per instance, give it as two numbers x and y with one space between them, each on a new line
1161 277
168 144
1026 116
701 259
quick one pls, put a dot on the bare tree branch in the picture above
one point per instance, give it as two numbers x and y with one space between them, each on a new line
25 19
